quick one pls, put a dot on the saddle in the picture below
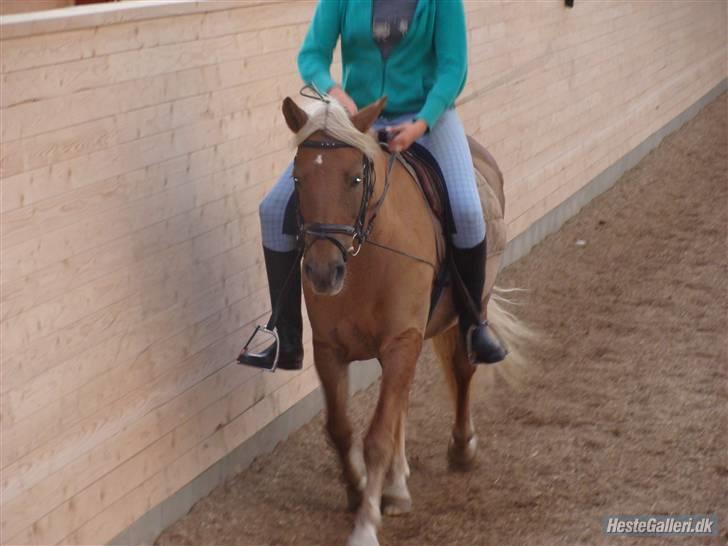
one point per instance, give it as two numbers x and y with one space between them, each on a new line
424 168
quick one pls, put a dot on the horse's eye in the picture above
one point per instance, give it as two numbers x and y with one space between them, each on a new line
357 180
296 180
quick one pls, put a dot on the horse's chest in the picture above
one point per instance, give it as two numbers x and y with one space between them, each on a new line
352 339
359 322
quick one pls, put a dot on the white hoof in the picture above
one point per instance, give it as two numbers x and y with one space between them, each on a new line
396 506
363 535
396 499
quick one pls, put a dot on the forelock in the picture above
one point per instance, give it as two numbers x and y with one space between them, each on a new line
332 118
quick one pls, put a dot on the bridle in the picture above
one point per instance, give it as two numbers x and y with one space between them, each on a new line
362 227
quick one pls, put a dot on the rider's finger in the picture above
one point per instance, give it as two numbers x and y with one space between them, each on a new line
398 143
396 128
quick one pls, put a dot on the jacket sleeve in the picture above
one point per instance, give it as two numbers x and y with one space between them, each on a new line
451 51
314 59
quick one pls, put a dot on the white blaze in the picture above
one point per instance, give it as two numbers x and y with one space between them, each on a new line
319 160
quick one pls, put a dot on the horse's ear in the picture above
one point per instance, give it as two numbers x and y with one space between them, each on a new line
296 118
365 117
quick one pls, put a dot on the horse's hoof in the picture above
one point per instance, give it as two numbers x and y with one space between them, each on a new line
396 506
461 458
363 535
353 498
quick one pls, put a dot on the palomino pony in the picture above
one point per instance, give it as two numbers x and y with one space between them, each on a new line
357 202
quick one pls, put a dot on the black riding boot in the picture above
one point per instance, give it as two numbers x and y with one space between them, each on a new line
482 346
279 265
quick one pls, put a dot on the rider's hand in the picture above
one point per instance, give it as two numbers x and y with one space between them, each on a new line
345 100
403 135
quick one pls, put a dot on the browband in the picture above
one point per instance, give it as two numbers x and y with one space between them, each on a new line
324 144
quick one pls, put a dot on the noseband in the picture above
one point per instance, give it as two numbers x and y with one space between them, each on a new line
360 230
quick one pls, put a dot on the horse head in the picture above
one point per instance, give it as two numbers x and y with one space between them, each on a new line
334 174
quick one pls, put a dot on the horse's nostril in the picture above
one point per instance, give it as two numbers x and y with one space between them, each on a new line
340 270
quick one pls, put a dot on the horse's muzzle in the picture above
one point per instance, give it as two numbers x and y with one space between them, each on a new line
326 277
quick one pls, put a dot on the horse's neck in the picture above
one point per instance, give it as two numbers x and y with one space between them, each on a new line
405 220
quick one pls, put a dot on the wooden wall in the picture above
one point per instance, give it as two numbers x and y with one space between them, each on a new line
137 142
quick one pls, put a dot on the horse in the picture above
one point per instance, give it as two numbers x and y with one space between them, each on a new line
372 251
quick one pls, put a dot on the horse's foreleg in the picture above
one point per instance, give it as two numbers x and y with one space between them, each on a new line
398 358
334 376
396 497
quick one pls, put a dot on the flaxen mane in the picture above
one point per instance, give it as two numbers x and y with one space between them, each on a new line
333 118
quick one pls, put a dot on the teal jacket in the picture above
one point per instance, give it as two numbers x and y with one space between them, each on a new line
424 73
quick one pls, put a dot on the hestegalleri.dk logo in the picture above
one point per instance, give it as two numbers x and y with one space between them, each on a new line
660 526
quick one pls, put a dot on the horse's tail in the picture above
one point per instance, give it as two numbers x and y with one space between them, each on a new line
513 332
515 335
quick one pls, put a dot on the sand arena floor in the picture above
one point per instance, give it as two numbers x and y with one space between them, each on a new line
624 408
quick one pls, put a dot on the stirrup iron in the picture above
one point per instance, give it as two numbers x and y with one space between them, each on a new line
270 332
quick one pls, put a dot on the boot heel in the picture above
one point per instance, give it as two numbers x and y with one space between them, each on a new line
486 349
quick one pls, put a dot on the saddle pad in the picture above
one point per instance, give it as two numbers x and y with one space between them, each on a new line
428 174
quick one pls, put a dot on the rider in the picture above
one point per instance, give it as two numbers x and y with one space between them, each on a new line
415 52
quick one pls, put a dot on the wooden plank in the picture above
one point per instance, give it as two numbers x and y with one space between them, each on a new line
213 192
51 214
258 29
36 117
108 523
551 73
216 400
27 257
51 403
60 211
621 129
106 14
46 82
46 461
553 194
561 121
24 328
78 336
32 186
80 140
538 185
64 276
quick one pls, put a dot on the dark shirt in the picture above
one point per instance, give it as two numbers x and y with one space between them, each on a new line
390 22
